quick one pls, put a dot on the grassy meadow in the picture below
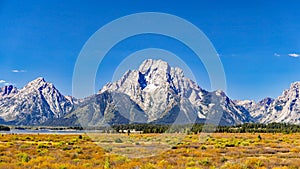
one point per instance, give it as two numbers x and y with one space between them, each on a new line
149 151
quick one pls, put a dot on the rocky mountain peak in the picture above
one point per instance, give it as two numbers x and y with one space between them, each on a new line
295 85
294 89
220 93
266 101
150 65
155 87
162 91
292 92
35 103
39 84
283 109
151 75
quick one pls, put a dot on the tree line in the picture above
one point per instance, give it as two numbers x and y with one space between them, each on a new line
197 128
4 128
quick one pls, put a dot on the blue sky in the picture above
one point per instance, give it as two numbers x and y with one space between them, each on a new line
258 42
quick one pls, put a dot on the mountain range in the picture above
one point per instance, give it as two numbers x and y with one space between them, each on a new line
154 93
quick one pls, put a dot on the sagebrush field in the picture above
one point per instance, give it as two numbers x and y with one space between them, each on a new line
218 150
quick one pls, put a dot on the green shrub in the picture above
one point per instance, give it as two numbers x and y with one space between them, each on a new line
106 163
223 159
62 167
42 146
191 164
204 162
259 137
23 157
118 140
107 149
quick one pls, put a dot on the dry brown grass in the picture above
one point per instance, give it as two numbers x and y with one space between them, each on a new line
219 150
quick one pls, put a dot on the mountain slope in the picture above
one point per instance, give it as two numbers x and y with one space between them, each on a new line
256 110
108 108
34 104
285 108
155 93
164 94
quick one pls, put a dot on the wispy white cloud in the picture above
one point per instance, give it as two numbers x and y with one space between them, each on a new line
8 83
18 71
5 83
276 54
295 55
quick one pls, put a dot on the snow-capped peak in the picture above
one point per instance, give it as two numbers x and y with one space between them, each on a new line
39 84
155 87
36 82
154 65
